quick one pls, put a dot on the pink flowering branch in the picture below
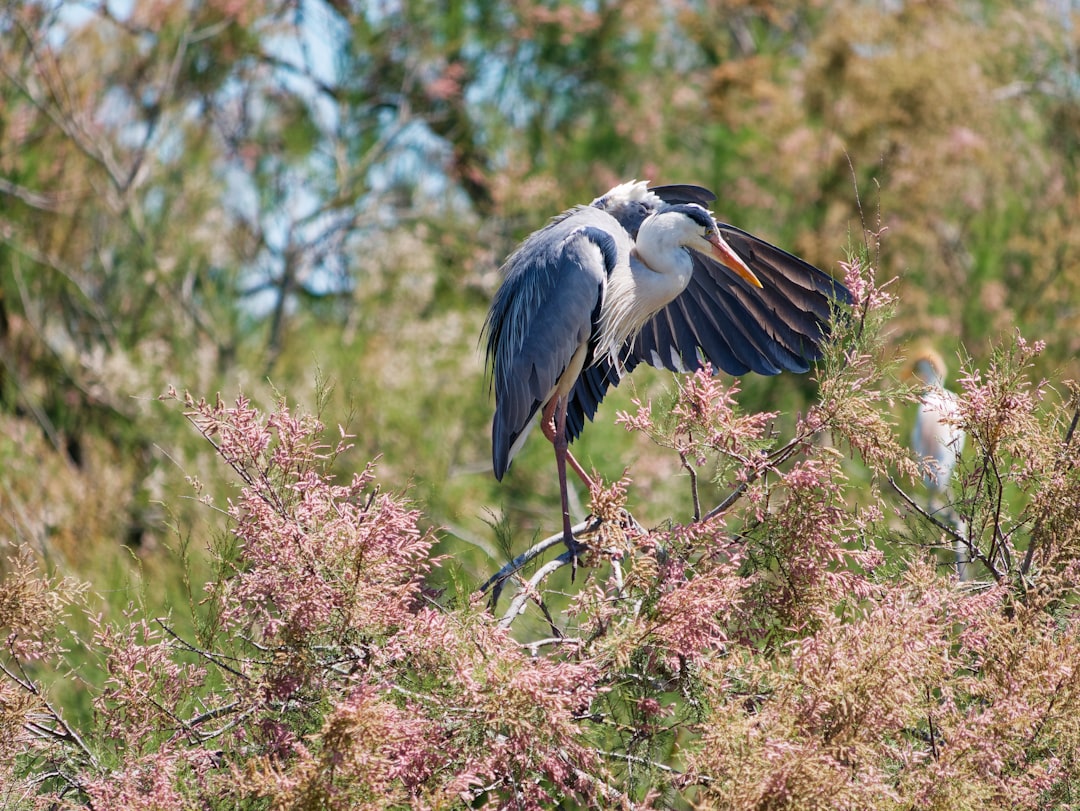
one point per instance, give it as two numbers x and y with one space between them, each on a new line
1065 463
766 651
54 728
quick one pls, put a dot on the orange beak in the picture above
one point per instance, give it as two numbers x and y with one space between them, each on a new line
731 260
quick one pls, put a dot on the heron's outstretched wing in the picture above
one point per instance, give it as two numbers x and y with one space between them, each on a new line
792 308
543 314
721 320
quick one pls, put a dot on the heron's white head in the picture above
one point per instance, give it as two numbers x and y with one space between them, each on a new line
660 271
690 226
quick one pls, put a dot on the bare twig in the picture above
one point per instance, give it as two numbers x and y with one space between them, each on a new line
617 576
937 522
205 654
203 737
754 472
61 731
693 484
534 647
433 701
702 779
611 794
998 546
210 715
555 629
43 201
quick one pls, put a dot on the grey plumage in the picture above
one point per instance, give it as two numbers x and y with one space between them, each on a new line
545 336
719 318
547 307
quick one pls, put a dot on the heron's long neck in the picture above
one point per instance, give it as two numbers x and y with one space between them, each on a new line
659 269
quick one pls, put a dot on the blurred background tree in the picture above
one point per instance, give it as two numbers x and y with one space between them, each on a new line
315 197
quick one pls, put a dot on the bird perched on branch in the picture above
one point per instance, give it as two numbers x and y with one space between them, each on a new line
640 276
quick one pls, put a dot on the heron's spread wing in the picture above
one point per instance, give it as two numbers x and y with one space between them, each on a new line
543 314
721 320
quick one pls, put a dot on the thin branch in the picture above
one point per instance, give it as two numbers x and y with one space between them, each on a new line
1072 428
612 795
973 551
937 522
235 722
432 701
775 458
62 111
210 715
517 605
617 575
998 543
530 554
693 484
555 629
63 731
930 723
534 647
1066 456
702 779
43 201
733 496
205 654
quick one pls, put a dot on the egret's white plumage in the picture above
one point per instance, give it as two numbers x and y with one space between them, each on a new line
938 440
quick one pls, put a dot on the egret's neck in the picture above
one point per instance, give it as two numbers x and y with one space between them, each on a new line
929 375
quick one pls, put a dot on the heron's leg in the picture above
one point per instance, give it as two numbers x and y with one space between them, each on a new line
561 453
551 431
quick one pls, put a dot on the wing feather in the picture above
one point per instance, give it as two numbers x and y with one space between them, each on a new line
543 313
718 317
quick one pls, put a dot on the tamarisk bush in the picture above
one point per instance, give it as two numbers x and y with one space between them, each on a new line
800 642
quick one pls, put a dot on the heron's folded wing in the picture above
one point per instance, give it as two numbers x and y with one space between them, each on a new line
542 315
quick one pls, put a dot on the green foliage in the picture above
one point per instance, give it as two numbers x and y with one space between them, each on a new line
214 195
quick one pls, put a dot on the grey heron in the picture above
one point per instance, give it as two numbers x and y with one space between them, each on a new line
937 439
639 276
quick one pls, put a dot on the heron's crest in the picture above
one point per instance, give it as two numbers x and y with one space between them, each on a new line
634 191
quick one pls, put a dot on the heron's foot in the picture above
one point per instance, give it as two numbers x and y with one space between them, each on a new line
577 550
548 427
